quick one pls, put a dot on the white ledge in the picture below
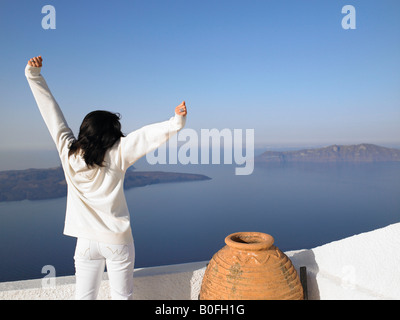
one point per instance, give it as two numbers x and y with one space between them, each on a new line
172 282
363 266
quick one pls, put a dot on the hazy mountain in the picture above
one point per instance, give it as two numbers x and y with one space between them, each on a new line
335 153
40 184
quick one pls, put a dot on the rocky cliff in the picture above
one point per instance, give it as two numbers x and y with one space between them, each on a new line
40 184
335 153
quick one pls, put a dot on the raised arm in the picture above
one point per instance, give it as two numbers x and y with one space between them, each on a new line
48 106
144 140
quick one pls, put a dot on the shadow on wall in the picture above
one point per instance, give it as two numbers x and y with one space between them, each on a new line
306 258
181 282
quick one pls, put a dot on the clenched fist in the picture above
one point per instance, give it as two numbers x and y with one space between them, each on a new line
36 62
181 109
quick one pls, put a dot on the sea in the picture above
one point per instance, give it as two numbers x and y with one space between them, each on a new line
302 205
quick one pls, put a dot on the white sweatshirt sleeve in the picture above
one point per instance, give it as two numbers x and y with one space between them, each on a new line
148 138
49 109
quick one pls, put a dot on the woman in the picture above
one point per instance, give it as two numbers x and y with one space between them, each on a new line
94 166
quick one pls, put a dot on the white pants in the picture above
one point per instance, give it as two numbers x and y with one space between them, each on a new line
90 259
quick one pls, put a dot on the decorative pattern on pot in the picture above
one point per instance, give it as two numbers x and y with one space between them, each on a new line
250 267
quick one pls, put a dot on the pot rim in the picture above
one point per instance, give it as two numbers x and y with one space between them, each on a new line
249 241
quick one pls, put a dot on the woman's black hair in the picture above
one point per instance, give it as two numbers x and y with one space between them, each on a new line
99 131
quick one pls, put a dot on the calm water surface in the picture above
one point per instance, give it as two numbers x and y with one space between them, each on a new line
302 206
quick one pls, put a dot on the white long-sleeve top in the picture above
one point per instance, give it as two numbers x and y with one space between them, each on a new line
96 205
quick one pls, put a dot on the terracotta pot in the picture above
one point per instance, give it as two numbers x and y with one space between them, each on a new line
250 267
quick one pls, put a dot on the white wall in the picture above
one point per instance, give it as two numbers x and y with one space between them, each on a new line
364 266
175 282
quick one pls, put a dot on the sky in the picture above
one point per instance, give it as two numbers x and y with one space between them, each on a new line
287 69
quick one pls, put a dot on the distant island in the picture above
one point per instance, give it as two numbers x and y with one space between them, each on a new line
41 184
361 153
